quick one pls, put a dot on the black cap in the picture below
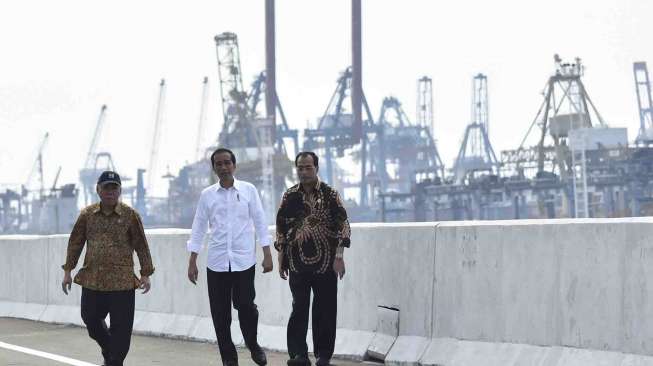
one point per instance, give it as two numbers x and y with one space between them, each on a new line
109 177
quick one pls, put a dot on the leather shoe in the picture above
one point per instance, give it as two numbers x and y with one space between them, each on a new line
230 363
258 355
321 361
299 360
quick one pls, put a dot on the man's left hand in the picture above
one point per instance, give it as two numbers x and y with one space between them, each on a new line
339 267
267 263
145 284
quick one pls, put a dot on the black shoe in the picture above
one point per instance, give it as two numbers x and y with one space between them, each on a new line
230 363
258 355
299 360
321 361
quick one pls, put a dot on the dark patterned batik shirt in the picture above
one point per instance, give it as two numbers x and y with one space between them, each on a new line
310 227
111 241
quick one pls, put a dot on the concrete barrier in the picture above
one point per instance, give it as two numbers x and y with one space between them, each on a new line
534 292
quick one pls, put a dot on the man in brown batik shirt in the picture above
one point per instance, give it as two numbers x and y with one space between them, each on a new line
312 232
112 231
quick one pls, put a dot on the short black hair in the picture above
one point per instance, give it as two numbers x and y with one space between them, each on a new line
303 154
223 150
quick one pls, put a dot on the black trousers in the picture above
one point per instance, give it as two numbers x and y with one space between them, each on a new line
239 287
325 309
114 341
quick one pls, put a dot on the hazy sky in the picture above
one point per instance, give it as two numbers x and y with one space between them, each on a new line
61 60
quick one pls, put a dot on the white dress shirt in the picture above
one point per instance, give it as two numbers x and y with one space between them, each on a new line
231 215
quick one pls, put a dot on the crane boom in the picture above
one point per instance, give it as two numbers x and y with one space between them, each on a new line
202 121
37 167
156 139
92 150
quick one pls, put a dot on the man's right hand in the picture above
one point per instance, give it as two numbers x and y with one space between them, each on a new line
283 272
192 272
67 282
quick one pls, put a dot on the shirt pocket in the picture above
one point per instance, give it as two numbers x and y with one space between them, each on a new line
241 207
217 212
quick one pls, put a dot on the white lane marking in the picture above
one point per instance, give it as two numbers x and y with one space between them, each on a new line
49 356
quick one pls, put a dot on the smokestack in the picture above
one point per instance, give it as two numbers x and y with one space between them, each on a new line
270 66
357 70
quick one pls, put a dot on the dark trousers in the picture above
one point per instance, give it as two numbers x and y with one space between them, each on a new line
325 309
114 341
239 286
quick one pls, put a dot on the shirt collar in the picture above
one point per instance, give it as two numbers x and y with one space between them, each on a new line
117 209
237 185
317 185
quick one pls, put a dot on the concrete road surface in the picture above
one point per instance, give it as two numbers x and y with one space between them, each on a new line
29 343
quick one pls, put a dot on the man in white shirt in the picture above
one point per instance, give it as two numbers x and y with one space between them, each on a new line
232 210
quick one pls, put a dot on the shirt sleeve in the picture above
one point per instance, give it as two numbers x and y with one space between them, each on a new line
258 216
139 243
200 225
281 224
342 224
76 243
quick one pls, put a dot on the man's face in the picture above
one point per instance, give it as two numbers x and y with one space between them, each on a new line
109 193
223 166
306 170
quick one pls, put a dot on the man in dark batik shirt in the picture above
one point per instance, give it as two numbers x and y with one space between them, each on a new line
312 232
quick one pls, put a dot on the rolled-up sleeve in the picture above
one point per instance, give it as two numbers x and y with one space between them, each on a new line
200 225
258 216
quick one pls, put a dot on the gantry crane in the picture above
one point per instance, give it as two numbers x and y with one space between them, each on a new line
408 147
258 141
476 153
335 133
644 103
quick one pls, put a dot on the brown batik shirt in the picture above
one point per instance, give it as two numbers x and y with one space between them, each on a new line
111 240
310 227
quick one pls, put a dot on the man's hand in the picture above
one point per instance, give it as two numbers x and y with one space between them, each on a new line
267 260
283 272
67 282
145 284
192 268
339 267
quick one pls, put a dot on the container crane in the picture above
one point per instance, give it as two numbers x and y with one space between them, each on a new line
476 153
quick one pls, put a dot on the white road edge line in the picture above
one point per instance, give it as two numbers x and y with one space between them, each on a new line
50 356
